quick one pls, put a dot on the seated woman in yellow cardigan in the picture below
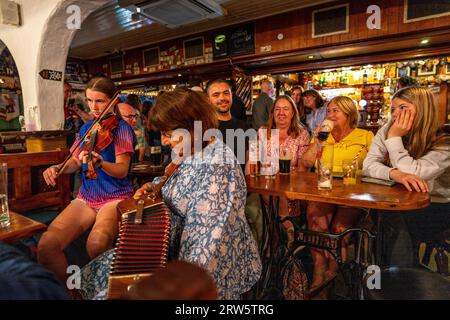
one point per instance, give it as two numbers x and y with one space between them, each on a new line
349 143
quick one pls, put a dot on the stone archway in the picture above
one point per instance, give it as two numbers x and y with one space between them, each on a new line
56 39
42 42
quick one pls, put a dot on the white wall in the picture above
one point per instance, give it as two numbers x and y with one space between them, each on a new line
42 42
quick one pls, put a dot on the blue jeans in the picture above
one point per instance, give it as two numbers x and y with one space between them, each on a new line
22 278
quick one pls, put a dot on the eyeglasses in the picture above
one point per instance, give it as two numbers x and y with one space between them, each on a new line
131 116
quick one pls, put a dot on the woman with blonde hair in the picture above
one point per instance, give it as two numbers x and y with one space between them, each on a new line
412 150
350 143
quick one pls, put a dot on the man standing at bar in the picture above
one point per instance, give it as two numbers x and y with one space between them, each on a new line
262 105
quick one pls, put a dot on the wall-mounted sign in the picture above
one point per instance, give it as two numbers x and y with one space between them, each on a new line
232 42
51 75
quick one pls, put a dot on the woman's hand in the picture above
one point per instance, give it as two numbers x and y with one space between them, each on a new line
410 181
50 175
142 191
402 124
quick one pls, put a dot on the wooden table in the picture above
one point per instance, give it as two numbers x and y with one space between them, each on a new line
303 186
145 170
21 227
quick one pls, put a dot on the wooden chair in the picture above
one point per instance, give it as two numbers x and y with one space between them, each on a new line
27 189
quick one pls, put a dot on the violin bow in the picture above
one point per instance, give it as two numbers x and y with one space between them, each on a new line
112 102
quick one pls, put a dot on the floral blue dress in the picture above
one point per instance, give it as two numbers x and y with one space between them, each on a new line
206 196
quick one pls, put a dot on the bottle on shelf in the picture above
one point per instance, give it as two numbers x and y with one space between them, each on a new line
365 77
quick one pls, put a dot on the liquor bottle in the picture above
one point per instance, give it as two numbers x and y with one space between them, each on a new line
253 160
365 77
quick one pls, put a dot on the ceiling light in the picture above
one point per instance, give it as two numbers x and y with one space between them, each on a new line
179 74
424 41
310 57
2 81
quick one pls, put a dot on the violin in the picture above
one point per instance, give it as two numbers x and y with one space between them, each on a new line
98 139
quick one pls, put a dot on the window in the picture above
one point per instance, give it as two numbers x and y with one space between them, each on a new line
193 48
330 21
151 57
116 64
416 10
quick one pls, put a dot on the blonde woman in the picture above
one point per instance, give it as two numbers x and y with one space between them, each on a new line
412 150
349 142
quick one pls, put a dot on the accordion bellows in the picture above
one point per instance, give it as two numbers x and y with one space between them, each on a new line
141 248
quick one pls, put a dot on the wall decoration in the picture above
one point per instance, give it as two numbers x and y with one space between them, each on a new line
426 69
9 105
403 71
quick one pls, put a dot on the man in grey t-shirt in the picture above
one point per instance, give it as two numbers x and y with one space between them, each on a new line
262 105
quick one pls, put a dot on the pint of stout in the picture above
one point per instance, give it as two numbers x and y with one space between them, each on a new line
285 161
325 128
155 156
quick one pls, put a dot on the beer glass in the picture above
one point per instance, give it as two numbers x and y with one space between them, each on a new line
285 160
349 167
325 167
4 211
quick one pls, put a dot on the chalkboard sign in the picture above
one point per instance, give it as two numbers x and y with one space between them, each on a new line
233 42
241 40
419 9
330 21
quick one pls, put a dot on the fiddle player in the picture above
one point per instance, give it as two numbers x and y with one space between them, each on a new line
103 185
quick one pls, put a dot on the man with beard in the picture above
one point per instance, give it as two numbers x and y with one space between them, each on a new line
220 96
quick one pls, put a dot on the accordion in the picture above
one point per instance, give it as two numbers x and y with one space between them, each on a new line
142 245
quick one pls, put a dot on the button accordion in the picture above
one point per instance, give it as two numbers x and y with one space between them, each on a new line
142 245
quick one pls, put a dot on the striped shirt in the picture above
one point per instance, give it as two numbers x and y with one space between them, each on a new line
97 192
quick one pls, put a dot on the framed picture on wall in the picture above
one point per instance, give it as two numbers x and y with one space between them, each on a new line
426 70
447 68
403 71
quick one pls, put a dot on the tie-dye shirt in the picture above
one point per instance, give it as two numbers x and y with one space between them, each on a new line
97 192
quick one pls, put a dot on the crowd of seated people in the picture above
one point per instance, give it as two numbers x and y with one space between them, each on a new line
216 224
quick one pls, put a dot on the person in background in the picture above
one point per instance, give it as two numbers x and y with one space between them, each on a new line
314 101
95 205
405 81
220 96
296 95
262 105
206 195
197 88
129 114
412 150
238 109
74 114
139 129
350 143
